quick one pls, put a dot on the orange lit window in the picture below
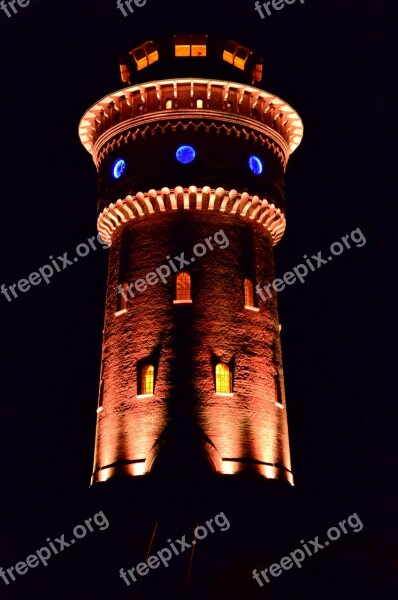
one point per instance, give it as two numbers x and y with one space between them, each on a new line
190 45
151 52
241 57
125 74
223 379
147 379
183 287
236 55
141 59
199 103
249 296
230 51
169 103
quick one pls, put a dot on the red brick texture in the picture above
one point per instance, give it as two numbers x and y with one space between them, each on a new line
185 422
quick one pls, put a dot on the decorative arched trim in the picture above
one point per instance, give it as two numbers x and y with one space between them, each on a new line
192 198
175 120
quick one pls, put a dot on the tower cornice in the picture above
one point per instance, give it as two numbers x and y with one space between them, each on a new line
234 105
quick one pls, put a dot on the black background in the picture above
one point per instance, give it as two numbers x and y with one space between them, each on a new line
331 60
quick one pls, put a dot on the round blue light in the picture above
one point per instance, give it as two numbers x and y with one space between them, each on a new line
185 154
118 168
256 165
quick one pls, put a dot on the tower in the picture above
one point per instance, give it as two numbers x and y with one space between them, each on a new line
191 202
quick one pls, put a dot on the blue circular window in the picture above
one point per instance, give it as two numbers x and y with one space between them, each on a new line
185 154
256 165
118 168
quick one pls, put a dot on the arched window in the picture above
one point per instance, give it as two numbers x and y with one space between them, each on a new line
249 295
147 379
199 103
140 109
169 103
223 379
183 287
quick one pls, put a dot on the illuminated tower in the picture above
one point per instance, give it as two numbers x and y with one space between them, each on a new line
192 377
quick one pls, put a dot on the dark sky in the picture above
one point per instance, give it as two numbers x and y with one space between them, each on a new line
332 61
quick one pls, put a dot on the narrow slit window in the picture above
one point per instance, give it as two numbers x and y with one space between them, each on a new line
249 293
278 389
223 379
100 396
183 287
122 292
147 379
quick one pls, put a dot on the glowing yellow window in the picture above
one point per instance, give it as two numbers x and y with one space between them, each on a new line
199 103
249 296
223 379
147 379
169 104
183 288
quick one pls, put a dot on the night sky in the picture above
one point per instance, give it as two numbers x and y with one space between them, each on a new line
332 61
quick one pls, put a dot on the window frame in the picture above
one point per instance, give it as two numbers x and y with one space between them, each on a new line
220 388
146 391
248 291
180 291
